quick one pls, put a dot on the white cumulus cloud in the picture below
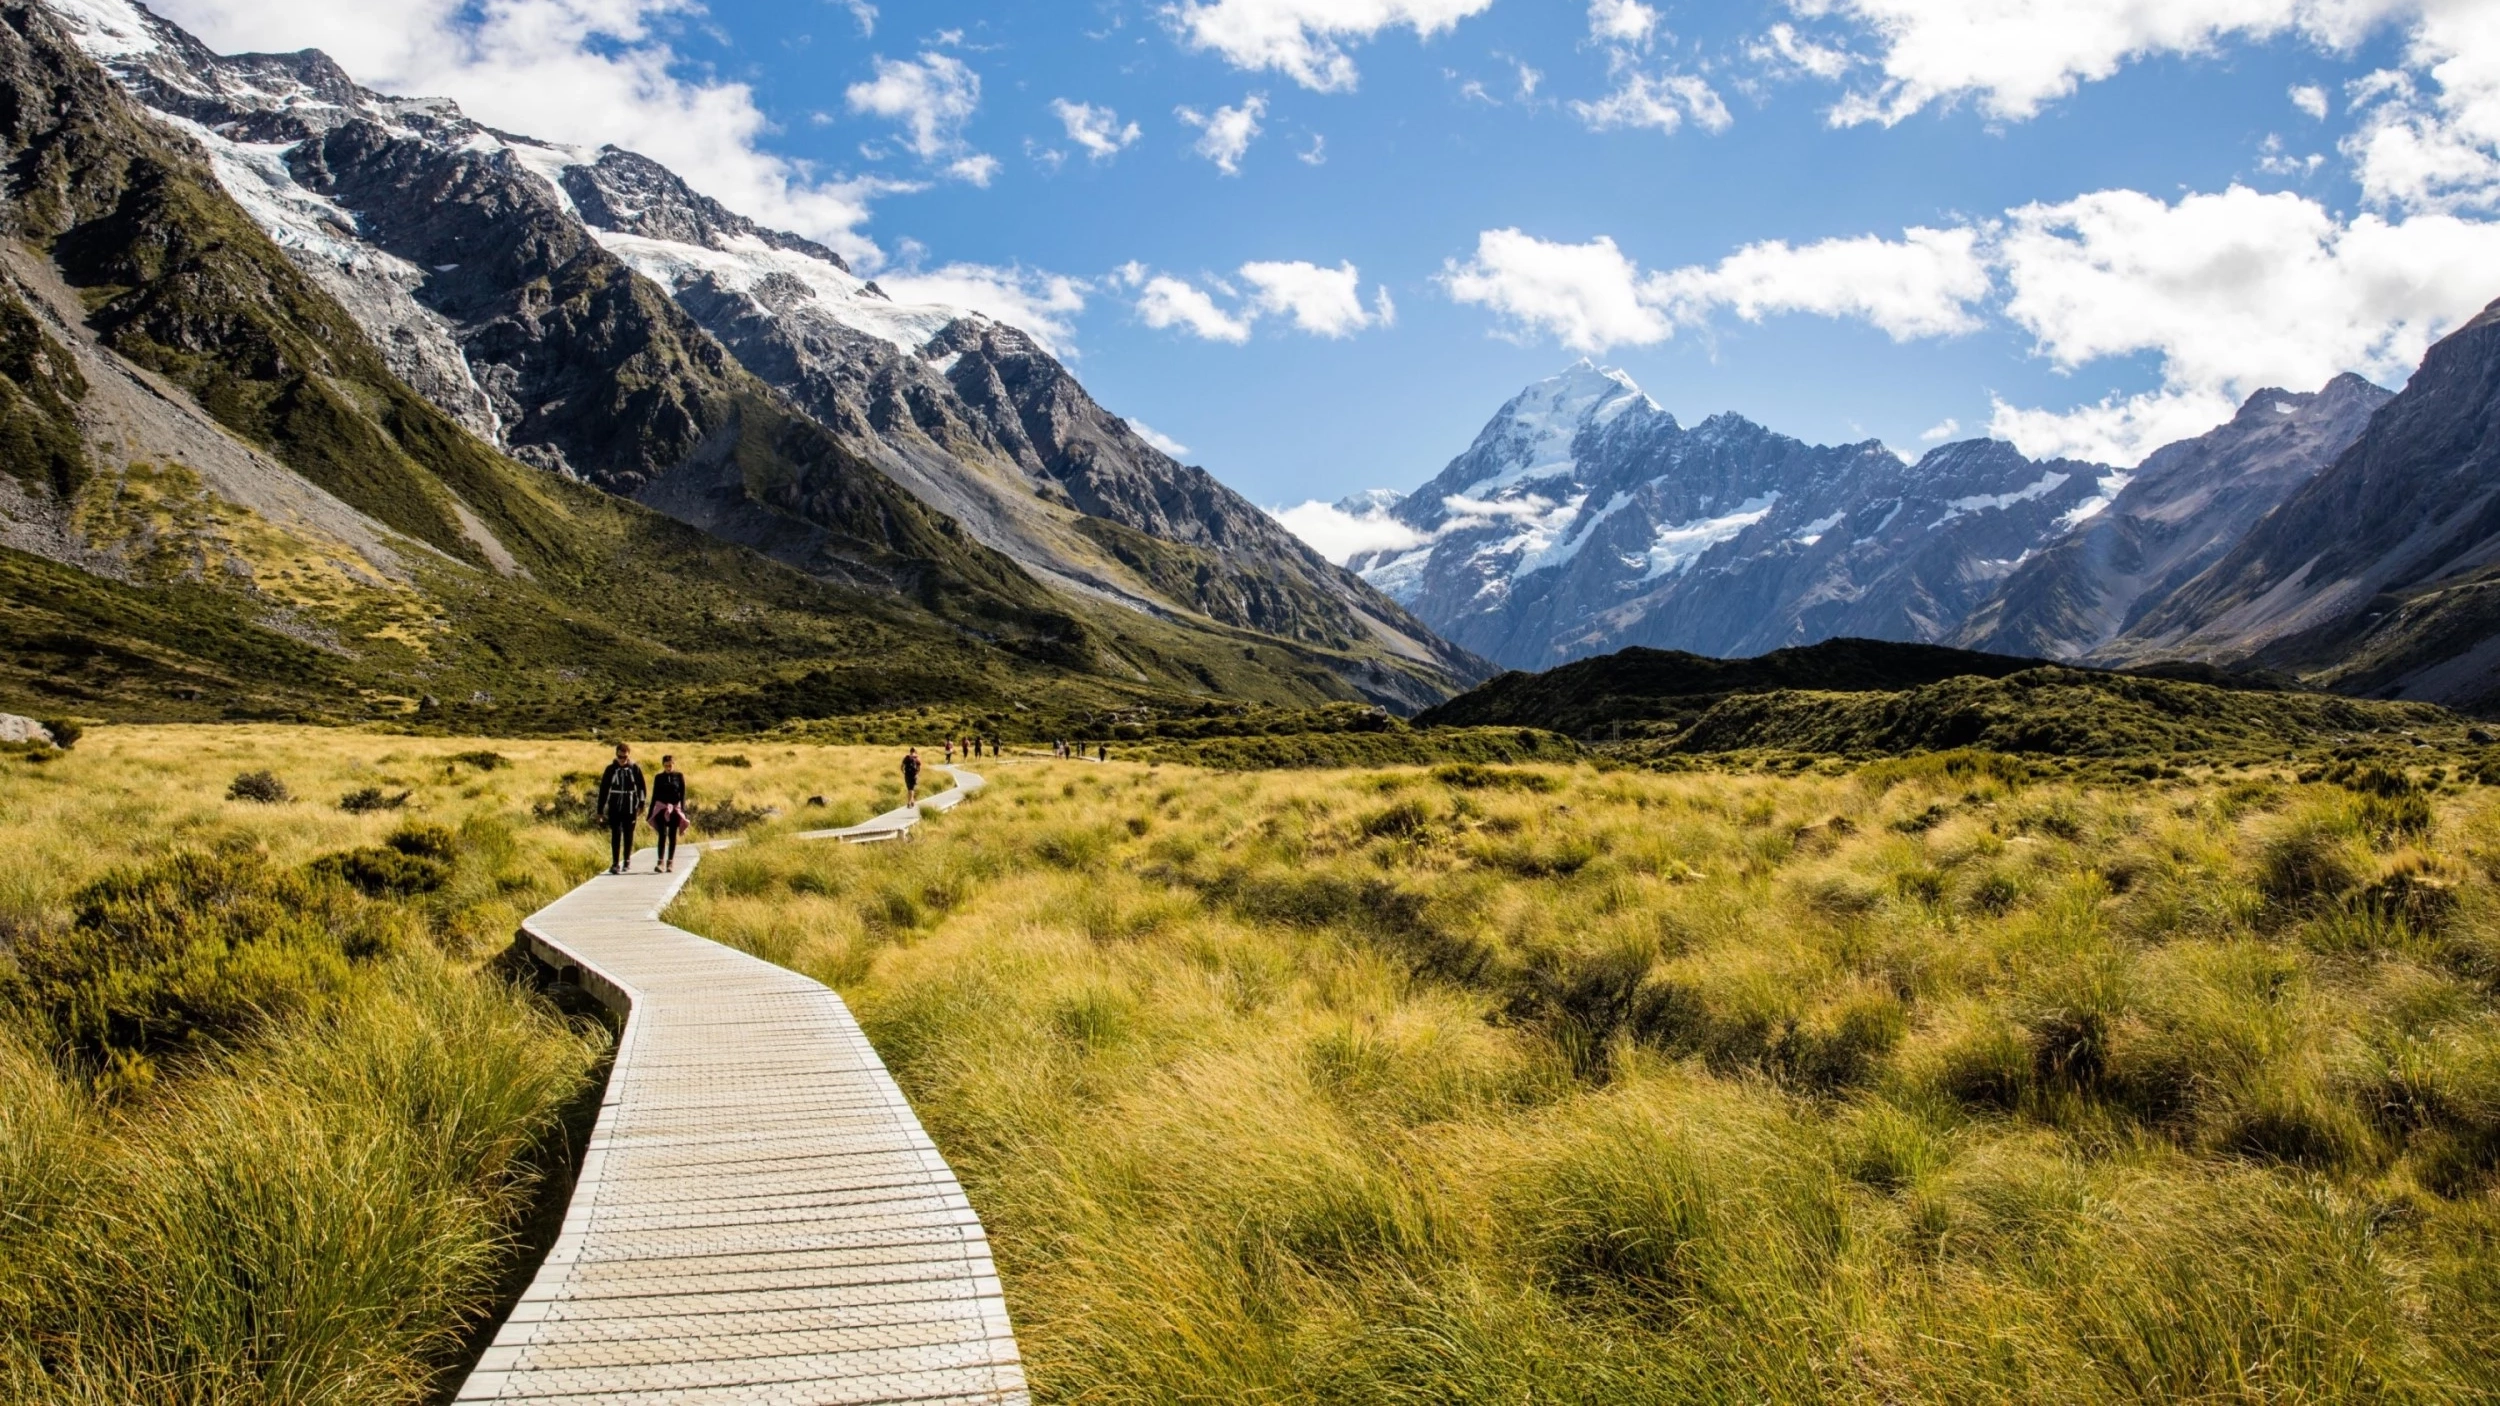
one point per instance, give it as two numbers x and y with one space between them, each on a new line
2232 291
1622 22
1924 284
1306 39
1586 296
584 72
1097 129
1341 536
1225 137
1164 302
2013 57
931 99
2310 98
1662 101
1593 296
1323 301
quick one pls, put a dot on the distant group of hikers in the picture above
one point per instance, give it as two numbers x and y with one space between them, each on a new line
621 798
625 796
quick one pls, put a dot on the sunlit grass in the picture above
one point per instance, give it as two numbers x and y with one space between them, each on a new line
1560 1084
264 1138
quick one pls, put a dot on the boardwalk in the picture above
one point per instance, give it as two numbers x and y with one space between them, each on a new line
760 1217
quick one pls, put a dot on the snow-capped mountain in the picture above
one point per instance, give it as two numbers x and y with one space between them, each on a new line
1585 518
586 311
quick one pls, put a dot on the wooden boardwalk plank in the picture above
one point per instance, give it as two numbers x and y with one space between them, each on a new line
759 1216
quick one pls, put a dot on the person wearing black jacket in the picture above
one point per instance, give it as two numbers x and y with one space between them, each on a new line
622 791
911 777
668 811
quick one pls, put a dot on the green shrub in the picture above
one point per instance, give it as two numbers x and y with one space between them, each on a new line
420 839
727 816
65 734
261 787
379 872
482 760
195 950
365 800
1402 821
1474 776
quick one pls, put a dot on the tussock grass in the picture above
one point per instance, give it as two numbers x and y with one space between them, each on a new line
274 1124
1937 1081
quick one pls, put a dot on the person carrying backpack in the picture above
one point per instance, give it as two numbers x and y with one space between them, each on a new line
911 777
620 798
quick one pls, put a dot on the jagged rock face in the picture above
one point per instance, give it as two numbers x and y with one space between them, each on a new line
2378 575
589 313
633 194
2182 509
1585 518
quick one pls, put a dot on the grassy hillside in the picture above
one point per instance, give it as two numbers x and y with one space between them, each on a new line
2056 712
1639 685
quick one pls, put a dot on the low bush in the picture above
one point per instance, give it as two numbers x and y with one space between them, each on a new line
198 950
728 815
365 800
260 787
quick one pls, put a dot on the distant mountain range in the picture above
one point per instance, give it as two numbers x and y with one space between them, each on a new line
2348 536
265 317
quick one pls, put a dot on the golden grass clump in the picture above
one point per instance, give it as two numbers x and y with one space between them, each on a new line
275 1125
1932 1082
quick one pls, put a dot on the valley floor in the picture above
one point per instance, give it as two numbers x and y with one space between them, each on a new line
1930 1081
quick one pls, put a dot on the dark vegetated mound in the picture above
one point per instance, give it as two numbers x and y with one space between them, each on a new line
2051 711
195 950
482 760
365 800
1394 745
261 787
1662 685
1651 695
727 815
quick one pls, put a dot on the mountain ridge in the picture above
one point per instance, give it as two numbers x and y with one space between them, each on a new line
464 254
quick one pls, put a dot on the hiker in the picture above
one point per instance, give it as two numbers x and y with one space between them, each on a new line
911 777
1102 752
950 754
621 793
668 811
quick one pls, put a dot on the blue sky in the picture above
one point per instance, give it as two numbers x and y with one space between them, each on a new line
2088 228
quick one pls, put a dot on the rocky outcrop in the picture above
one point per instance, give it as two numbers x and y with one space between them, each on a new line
2182 509
2382 574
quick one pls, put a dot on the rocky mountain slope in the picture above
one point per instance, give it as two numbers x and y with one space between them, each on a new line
2182 509
1585 518
221 496
587 312
2382 574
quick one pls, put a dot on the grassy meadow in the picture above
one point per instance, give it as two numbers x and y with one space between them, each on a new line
1922 1083
276 1124
1927 1080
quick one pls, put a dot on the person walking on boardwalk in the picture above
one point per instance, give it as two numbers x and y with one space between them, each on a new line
621 793
668 811
911 777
